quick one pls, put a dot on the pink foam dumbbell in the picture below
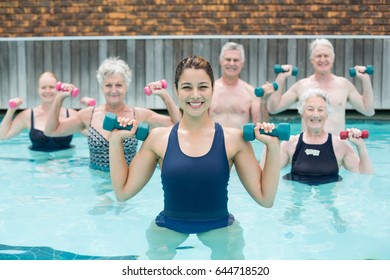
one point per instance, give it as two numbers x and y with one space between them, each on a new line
60 87
88 101
344 134
15 102
148 91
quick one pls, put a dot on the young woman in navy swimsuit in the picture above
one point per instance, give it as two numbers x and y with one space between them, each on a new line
195 157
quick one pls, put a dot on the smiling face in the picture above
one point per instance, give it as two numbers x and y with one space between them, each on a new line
315 113
114 88
47 87
322 59
194 91
231 63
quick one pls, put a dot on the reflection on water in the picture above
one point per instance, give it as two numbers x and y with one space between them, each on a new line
325 194
225 243
54 203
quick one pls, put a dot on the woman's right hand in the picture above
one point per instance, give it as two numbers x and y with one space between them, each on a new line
124 133
15 103
65 90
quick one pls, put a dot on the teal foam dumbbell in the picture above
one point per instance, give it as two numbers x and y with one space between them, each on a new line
279 69
369 70
259 91
282 131
111 121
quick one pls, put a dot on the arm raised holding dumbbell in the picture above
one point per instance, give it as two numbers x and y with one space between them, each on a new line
362 102
10 127
123 128
277 103
159 88
54 127
266 89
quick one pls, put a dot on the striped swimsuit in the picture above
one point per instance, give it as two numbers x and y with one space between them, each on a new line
99 149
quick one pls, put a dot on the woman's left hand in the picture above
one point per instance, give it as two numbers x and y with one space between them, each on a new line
354 136
264 137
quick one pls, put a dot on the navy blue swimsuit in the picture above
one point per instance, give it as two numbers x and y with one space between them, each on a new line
314 164
41 142
195 188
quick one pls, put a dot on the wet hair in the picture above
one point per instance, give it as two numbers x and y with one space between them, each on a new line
313 92
232 46
320 42
193 62
113 65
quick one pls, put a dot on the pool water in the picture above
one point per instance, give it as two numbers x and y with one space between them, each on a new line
52 206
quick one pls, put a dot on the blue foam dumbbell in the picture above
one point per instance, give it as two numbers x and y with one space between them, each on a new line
279 69
259 91
282 131
111 121
369 70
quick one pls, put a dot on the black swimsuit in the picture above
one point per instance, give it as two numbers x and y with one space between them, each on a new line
41 142
314 164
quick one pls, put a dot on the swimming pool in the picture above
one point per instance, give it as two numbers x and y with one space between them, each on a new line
52 206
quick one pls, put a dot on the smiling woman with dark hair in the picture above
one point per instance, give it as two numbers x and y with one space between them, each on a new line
195 156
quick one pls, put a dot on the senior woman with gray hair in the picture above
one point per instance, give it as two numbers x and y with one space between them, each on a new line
316 155
114 77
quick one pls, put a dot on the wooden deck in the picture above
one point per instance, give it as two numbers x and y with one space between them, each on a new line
76 59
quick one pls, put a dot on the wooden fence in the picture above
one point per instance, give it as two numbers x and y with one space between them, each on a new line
76 59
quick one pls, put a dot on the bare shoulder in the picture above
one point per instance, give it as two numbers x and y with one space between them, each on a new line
233 136
338 143
290 145
71 111
341 147
218 86
232 132
142 113
162 131
24 116
157 140
84 115
340 78
159 135
26 113
303 83
247 85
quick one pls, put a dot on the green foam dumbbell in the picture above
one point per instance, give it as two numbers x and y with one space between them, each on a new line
279 69
282 131
110 122
259 91
369 70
